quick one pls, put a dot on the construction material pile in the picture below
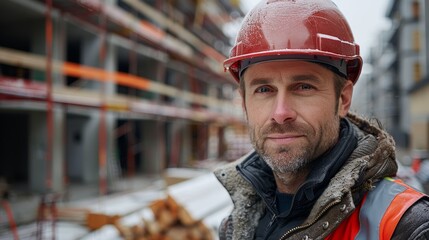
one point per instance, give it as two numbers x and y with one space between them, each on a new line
188 210
183 214
171 222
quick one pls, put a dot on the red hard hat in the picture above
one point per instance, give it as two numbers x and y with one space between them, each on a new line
311 30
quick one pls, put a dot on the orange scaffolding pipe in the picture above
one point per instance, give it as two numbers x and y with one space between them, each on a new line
49 102
12 224
77 70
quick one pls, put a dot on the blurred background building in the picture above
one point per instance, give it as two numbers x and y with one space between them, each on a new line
396 91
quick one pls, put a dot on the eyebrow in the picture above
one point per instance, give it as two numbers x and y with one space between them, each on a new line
259 81
297 78
306 77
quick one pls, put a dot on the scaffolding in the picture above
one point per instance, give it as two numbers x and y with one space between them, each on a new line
139 69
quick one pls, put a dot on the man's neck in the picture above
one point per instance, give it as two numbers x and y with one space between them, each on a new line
290 182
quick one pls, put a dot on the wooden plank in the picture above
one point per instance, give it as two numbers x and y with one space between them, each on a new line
97 220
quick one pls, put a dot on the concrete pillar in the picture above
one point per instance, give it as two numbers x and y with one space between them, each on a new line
59 48
186 143
90 57
180 141
214 142
110 89
37 151
58 148
38 168
38 46
90 148
90 52
38 121
153 154
82 147
75 153
213 130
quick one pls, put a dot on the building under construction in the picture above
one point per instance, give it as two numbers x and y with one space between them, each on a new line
92 90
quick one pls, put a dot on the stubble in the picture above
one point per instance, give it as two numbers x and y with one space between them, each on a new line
294 158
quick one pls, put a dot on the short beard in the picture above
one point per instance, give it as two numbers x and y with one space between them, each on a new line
298 160
300 163
292 159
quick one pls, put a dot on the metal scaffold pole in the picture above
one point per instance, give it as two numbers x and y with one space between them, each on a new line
41 217
49 102
102 135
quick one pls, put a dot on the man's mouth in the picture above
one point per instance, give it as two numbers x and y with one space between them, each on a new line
283 138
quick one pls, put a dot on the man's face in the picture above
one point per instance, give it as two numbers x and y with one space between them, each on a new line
292 112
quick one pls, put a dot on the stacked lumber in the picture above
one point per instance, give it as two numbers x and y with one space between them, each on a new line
181 214
170 222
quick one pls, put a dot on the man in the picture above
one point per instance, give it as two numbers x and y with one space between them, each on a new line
317 171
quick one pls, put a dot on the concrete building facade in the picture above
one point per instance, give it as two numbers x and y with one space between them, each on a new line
419 91
403 39
409 38
397 88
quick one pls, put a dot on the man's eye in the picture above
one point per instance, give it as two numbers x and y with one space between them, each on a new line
305 87
263 90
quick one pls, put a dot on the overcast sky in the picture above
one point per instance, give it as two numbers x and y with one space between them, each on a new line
366 18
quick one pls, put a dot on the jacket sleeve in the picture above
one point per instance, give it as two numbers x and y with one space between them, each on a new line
414 224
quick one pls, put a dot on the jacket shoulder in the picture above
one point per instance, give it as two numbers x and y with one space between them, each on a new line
414 224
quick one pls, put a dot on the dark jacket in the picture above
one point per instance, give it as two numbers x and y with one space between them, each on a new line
252 190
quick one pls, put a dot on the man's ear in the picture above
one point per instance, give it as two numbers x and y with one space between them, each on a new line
345 100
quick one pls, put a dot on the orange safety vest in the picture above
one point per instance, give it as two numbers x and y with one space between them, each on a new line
379 212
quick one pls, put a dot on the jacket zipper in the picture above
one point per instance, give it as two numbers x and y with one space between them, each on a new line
311 223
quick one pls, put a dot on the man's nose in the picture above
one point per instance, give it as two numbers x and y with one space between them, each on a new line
283 110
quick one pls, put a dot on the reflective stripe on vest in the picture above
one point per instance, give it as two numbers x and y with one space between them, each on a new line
379 213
